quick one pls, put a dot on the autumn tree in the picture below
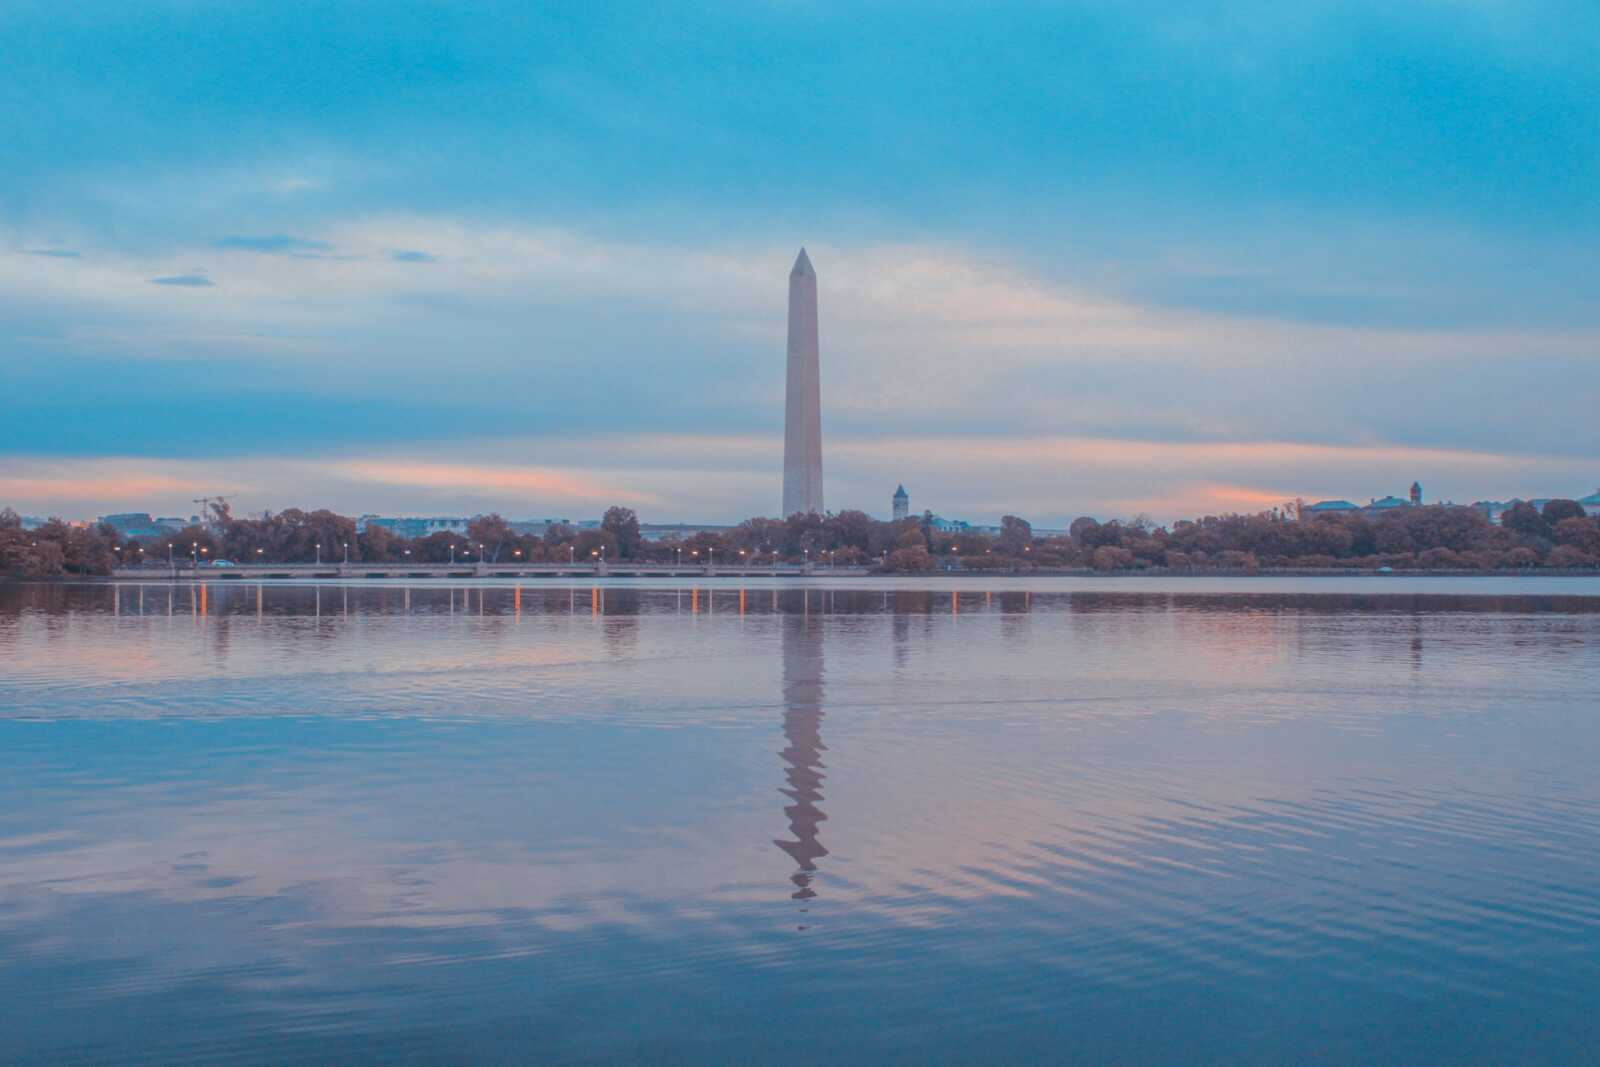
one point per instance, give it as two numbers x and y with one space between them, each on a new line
1525 519
704 545
1111 558
592 544
1581 533
491 533
1567 556
443 545
193 543
1556 510
1016 536
848 529
758 535
911 560
22 555
802 533
374 543
623 526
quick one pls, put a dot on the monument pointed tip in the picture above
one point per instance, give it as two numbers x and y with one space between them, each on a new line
802 263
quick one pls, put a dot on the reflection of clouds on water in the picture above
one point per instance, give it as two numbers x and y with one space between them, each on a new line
552 786
802 755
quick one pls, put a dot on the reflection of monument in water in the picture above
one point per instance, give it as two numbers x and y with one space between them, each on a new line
802 755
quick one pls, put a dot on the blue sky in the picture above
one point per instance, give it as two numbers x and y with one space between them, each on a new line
1073 258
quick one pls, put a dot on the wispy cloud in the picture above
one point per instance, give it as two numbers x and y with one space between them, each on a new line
676 477
79 484
413 257
52 253
274 244
294 184
488 480
191 281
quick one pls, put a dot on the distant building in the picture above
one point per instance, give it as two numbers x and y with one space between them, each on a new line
682 531
537 527
132 524
944 525
1493 509
1384 504
902 504
413 528
128 520
1372 509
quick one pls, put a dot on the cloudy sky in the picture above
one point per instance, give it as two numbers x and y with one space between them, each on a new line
1096 257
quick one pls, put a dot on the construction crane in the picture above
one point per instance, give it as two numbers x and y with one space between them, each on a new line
212 508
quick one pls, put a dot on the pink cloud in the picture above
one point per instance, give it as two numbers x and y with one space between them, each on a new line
94 487
553 485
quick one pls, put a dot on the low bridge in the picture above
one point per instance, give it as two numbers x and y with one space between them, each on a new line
187 571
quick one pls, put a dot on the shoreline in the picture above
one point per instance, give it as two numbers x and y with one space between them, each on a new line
668 573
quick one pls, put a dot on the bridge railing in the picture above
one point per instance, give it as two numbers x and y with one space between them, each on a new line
187 569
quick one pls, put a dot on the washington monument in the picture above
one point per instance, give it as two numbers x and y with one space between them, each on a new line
802 421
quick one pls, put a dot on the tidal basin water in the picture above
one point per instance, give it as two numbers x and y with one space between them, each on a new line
853 822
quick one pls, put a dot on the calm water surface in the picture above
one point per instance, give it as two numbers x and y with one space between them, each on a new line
1124 822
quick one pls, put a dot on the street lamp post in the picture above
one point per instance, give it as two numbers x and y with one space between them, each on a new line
347 553
319 554
452 553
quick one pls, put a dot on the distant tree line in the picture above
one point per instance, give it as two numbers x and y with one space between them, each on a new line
54 549
1427 538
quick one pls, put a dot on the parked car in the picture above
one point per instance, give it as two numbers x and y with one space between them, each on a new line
222 563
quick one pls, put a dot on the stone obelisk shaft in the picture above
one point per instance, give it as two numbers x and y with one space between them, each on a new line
802 423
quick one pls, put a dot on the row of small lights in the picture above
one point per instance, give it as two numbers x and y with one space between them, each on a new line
600 553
